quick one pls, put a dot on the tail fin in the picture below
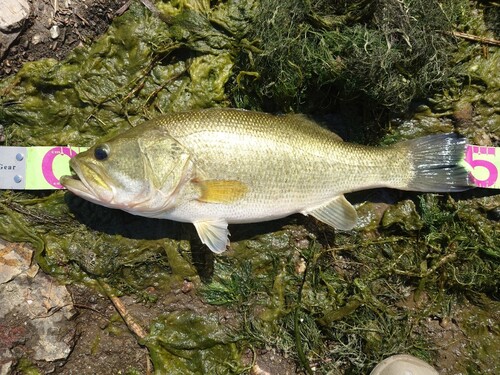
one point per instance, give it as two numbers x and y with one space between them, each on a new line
437 163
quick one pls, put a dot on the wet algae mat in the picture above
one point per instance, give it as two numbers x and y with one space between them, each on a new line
419 274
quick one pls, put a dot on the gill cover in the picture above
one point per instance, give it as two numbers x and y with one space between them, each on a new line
166 162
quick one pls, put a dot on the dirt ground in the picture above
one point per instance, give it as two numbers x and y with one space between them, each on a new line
79 22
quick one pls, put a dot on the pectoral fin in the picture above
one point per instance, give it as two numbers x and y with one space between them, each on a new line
221 191
338 213
214 234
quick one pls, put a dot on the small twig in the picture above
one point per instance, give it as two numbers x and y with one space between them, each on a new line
55 5
148 364
129 320
120 307
85 22
124 8
149 4
53 310
298 342
476 38
164 85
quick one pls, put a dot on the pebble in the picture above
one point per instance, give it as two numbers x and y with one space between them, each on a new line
300 266
187 286
36 39
54 32
445 322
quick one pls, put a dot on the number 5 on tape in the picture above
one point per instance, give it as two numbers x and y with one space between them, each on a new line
483 164
35 168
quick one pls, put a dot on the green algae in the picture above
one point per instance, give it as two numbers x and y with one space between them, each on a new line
25 367
360 299
69 249
389 52
185 342
403 215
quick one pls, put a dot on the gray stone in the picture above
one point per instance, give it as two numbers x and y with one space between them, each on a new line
14 259
35 312
6 361
13 15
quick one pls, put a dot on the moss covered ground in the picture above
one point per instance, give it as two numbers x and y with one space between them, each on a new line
419 275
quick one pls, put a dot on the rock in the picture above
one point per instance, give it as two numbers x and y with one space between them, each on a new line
35 313
370 214
6 362
13 15
54 32
15 259
36 39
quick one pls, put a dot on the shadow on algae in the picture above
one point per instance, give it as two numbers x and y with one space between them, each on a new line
330 302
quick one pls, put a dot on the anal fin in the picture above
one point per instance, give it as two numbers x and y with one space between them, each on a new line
338 213
214 234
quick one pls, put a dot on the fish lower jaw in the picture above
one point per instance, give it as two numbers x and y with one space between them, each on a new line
79 188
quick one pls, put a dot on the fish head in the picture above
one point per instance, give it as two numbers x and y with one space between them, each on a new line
139 171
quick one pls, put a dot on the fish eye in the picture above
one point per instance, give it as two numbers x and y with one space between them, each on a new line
101 152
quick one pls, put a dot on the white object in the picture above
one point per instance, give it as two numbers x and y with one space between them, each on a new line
403 364
54 32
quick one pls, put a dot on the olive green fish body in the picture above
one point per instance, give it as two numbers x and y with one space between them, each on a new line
219 166
287 163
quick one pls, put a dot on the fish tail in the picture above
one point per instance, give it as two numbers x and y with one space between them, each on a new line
436 163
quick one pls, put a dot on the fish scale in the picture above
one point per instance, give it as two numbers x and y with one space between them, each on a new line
293 154
218 166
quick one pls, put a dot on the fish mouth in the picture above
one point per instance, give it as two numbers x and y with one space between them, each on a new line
85 182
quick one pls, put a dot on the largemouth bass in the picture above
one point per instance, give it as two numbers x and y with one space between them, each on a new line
218 166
